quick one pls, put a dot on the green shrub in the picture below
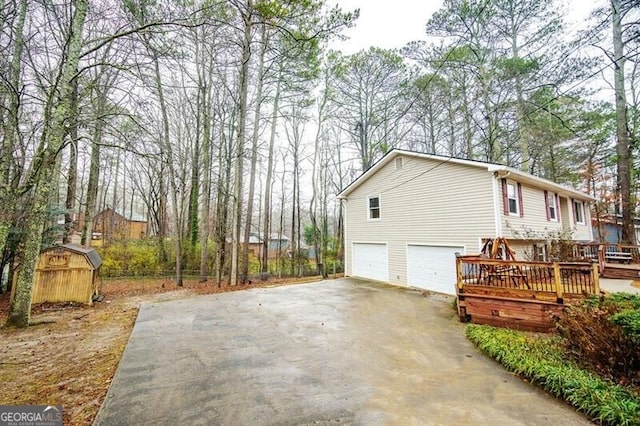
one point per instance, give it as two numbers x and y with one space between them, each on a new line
541 359
623 300
629 320
130 258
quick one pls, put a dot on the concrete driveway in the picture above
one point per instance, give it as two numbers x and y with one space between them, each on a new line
339 352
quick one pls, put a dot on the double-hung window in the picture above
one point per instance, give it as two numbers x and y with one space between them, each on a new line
373 203
578 212
512 195
551 201
512 198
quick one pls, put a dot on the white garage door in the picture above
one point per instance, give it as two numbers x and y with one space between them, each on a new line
370 261
432 267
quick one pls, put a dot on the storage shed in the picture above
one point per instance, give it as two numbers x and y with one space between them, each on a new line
66 273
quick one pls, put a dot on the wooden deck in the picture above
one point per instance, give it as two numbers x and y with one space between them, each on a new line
614 260
520 295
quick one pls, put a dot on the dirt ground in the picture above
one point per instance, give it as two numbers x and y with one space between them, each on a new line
69 353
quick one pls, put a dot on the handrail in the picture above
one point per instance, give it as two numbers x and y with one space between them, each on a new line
551 278
608 252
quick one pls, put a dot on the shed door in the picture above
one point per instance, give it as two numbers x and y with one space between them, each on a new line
370 261
432 267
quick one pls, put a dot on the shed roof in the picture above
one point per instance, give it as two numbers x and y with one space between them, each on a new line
91 254
130 216
490 167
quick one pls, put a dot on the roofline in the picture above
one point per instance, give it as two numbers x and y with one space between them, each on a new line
499 169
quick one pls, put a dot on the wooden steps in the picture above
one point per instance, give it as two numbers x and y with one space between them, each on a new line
621 271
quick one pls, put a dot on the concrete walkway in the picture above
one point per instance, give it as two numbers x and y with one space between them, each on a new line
611 285
338 352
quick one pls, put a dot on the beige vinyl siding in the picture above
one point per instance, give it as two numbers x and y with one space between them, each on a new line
566 213
424 202
523 249
534 221
581 231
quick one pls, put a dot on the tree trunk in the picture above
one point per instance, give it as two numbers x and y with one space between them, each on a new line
70 202
92 185
242 124
194 193
206 185
622 130
254 154
10 129
222 202
316 174
269 182
524 141
20 310
468 134
168 150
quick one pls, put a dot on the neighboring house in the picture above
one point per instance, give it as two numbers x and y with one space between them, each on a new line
409 214
609 228
255 244
277 244
110 225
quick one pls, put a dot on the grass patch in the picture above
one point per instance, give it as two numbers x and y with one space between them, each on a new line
542 360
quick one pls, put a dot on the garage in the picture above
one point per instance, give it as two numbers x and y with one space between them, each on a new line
370 260
432 267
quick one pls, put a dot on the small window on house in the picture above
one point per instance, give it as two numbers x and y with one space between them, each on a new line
553 207
578 212
374 208
512 195
512 198
539 252
398 163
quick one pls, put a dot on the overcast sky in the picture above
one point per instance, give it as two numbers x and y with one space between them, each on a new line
393 23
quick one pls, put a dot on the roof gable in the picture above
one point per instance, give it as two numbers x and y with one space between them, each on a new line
130 217
498 169
89 253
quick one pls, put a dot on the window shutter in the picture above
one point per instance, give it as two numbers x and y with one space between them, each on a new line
558 211
546 205
505 197
520 200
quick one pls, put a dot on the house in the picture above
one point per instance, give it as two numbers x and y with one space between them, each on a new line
276 245
410 213
608 230
255 244
111 225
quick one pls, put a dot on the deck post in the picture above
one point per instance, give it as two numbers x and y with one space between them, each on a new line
462 310
459 282
596 278
558 282
601 259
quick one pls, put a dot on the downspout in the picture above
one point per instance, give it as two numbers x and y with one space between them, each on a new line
587 220
497 211
343 206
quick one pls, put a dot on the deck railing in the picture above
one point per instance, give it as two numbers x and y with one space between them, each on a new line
607 253
537 280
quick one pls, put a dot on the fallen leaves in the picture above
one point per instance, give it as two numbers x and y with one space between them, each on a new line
70 353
